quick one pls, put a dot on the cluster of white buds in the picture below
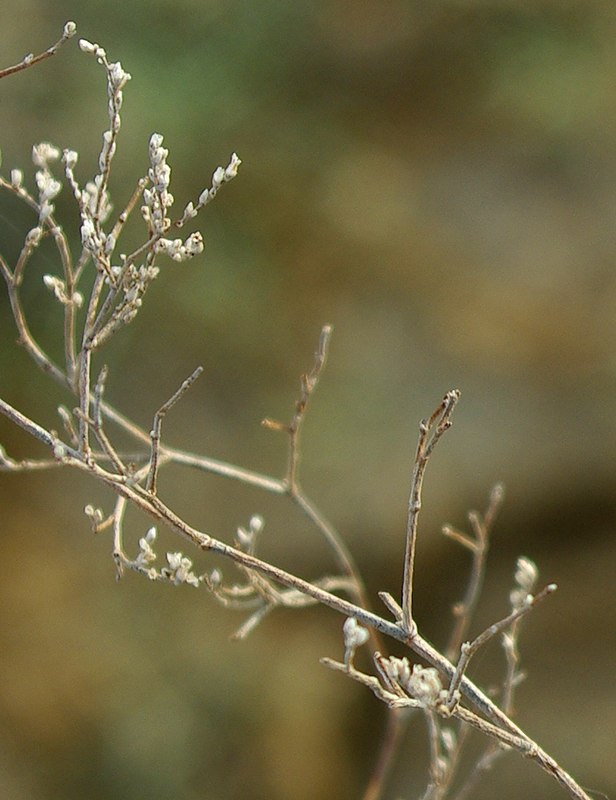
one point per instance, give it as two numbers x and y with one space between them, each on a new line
178 250
220 175
94 198
58 287
93 49
525 577
421 683
246 537
157 200
136 281
146 554
48 186
179 570
95 515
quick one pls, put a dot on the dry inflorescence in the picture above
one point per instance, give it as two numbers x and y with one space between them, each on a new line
438 686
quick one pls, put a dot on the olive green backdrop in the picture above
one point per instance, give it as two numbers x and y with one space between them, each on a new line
436 180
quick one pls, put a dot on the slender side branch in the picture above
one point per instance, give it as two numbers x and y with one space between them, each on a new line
478 546
150 483
30 60
309 382
430 431
470 648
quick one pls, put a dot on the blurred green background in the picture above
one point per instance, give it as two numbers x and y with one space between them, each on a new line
436 180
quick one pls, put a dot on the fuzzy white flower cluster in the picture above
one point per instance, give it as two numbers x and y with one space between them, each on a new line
245 538
93 199
48 187
178 250
146 554
158 199
178 569
421 683
58 287
525 577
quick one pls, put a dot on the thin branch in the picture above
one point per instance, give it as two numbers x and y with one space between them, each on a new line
8 464
98 425
309 382
478 546
155 433
30 60
430 431
470 648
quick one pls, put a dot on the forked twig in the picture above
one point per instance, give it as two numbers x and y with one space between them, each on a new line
151 479
430 431
478 546
469 649
309 382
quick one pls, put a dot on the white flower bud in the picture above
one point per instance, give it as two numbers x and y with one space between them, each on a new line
87 47
218 177
232 167
354 634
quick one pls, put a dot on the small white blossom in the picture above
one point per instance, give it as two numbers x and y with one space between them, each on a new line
525 577
232 167
179 570
59 451
215 578
69 30
47 185
17 177
218 177
33 236
118 77
43 153
146 554
178 250
189 211
94 514
448 737
354 634
69 157
421 683
92 48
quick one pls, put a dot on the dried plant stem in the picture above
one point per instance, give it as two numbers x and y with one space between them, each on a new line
506 730
430 431
470 648
478 546
114 299
150 483
309 382
30 60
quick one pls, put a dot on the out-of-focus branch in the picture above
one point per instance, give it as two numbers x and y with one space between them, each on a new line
30 60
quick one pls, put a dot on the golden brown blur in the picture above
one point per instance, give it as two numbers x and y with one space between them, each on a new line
437 181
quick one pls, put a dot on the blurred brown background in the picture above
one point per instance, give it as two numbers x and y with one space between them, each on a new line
436 180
